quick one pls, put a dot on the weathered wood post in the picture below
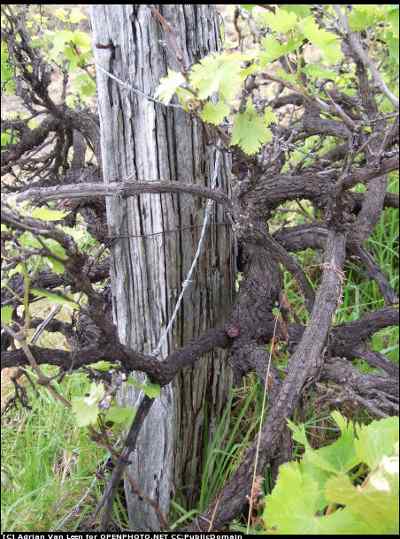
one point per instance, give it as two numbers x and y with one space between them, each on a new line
145 141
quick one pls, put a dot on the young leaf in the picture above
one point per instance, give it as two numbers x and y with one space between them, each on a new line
6 314
218 73
45 214
55 248
82 41
269 116
249 130
57 266
374 504
168 86
323 481
377 440
84 86
280 21
300 10
363 16
214 113
327 42
102 366
76 15
54 298
27 239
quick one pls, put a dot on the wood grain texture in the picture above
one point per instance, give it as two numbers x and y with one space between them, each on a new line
145 142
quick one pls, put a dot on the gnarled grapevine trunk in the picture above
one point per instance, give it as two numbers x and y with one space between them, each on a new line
144 141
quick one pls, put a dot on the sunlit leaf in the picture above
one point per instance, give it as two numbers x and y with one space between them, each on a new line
249 130
54 298
168 86
6 314
45 214
214 113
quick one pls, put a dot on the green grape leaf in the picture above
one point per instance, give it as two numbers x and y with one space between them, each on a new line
60 40
375 503
376 440
218 73
272 50
54 298
298 433
55 248
286 512
57 266
84 86
6 314
269 116
86 408
27 239
186 98
249 130
214 113
322 480
168 86
327 42
61 14
299 9
318 73
82 41
13 271
120 414
7 75
76 15
281 21
363 16
45 214
338 457
102 366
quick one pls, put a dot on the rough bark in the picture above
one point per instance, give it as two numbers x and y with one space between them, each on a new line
144 142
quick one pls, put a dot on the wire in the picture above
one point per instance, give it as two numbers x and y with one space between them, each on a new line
188 280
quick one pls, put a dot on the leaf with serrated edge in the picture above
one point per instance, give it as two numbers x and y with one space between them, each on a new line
214 113
249 130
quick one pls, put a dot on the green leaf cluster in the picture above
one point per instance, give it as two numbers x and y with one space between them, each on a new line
348 487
